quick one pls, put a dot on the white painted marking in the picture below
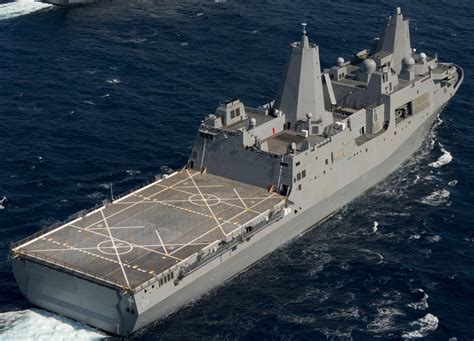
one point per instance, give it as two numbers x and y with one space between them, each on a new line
90 213
222 200
208 207
161 241
115 248
238 196
227 221
117 227
119 240
204 186
102 247
146 198
203 202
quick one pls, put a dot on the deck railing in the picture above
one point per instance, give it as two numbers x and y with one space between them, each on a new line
70 268
219 247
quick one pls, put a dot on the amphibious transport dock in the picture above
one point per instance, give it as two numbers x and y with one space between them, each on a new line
256 178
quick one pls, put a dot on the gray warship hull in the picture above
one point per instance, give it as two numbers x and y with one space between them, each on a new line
104 307
255 179
67 3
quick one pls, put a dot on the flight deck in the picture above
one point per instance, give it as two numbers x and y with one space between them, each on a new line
129 241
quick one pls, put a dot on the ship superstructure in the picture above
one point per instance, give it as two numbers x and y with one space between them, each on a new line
256 178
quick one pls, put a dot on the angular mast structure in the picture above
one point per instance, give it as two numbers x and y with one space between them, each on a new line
301 90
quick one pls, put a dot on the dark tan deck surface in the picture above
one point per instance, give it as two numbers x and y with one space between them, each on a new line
143 234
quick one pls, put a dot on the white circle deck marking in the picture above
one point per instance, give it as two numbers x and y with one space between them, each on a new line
107 247
199 200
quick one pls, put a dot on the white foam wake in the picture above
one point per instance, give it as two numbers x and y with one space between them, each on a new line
36 324
436 198
424 326
423 303
21 7
375 227
443 159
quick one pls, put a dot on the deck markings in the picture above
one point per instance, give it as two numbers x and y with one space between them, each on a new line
203 186
161 241
133 244
138 202
243 203
121 248
83 250
223 201
227 221
73 248
93 212
183 209
208 206
115 248
195 239
116 227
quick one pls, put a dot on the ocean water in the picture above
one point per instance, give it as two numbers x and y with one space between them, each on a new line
112 93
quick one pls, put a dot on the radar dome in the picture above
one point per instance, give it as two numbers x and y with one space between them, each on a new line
252 123
369 66
408 63
423 56
340 61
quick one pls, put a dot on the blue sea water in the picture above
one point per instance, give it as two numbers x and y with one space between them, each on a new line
113 92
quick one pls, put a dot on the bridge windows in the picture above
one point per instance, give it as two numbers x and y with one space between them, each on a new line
300 175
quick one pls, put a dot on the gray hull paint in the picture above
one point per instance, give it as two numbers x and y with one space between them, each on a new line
66 3
106 308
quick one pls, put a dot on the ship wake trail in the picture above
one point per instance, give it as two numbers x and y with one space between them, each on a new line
21 7
36 324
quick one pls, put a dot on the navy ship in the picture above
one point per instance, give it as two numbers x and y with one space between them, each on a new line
255 178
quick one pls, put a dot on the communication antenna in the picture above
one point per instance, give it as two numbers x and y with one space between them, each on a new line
303 25
415 31
112 191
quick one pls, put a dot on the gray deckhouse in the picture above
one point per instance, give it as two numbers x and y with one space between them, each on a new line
321 121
